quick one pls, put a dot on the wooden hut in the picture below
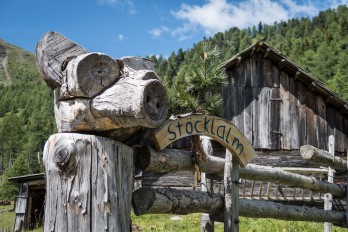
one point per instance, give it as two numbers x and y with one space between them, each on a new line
30 201
280 107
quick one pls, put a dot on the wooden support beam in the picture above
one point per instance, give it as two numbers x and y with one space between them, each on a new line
319 156
164 201
281 64
266 52
253 49
312 86
297 75
169 160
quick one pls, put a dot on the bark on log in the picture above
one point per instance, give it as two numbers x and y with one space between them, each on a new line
169 160
163 201
317 155
89 183
53 51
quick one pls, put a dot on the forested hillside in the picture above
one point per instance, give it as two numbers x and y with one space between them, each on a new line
319 45
26 115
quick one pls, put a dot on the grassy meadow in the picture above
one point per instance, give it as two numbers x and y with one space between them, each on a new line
191 223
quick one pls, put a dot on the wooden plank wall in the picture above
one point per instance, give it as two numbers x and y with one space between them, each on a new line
275 112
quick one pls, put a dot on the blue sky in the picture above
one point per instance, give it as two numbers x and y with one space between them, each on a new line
140 28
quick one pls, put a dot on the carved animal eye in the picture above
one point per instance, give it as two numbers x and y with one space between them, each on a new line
88 74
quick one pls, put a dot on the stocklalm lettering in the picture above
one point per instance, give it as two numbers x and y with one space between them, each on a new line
179 129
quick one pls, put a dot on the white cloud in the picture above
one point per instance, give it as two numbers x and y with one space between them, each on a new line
120 37
128 4
336 3
220 15
157 32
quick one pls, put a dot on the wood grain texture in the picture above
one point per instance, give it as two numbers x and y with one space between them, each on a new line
323 157
51 51
88 74
94 193
218 129
162 201
128 103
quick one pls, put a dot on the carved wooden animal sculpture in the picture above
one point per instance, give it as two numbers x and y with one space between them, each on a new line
97 94
89 179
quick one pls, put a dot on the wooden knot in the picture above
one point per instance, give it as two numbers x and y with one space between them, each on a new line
64 157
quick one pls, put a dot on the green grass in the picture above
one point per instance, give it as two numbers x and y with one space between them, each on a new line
7 218
192 223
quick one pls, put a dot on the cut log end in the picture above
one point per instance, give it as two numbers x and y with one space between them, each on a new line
89 74
155 102
142 200
307 151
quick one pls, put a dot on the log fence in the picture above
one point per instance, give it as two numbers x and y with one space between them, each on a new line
286 193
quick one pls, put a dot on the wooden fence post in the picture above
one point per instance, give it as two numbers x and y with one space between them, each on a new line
328 196
89 183
207 225
231 185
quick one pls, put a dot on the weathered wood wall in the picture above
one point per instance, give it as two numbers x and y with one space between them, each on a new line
277 112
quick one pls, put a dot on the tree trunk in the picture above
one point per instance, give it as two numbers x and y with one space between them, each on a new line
171 160
317 155
89 183
163 201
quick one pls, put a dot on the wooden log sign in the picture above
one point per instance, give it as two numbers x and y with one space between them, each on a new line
217 128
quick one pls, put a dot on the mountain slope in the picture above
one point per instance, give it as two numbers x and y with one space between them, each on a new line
16 65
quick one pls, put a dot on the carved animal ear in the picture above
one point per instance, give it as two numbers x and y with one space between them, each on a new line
53 51
88 74
137 63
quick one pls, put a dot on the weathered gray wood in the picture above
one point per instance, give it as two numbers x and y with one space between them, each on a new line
207 225
128 103
88 74
312 138
275 131
231 196
317 155
263 119
52 51
91 96
170 160
132 63
141 100
330 174
274 175
89 183
163 201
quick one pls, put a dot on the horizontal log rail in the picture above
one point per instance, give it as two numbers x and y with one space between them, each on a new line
172 160
164 201
317 155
